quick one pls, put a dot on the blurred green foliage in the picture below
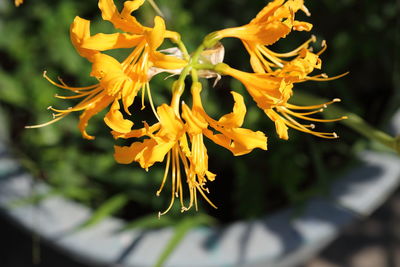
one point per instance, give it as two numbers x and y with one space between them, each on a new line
35 37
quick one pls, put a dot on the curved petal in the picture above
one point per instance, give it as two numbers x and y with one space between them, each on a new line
94 108
115 120
236 117
171 125
157 34
195 124
280 125
104 64
127 22
167 62
267 11
101 41
79 32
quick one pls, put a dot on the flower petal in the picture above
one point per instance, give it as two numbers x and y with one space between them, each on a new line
115 120
95 107
121 21
79 32
101 41
236 117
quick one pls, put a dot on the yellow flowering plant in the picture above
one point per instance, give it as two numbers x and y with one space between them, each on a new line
182 126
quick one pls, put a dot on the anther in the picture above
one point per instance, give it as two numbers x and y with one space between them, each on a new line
336 100
312 126
313 38
323 43
335 135
324 75
159 214
49 107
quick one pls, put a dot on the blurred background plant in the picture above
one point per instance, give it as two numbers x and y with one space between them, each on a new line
35 37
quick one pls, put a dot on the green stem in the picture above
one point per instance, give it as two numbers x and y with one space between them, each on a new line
353 121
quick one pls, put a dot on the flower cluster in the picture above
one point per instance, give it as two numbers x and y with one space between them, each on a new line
178 135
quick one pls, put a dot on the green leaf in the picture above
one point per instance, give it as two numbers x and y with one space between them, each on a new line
180 231
111 206
31 200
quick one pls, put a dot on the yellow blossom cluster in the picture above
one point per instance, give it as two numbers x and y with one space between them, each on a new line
178 135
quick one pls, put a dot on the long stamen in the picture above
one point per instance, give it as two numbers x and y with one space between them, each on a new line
325 79
63 86
165 174
295 51
151 100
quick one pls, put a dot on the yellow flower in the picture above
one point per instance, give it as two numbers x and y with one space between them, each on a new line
117 81
181 141
272 91
18 2
272 23
168 138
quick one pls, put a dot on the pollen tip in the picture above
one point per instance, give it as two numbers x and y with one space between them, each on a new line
336 100
44 73
313 38
335 135
49 107
324 75
53 115
323 43
176 194
312 126
321 110
158 193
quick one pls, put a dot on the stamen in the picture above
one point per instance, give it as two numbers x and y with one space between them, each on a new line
325 78
151 101
166 171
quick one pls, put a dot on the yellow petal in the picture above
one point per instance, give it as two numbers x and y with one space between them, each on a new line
281 128
104 64
267 11
302 26
157 34
195 124
101 41
94 108
236 117
126 23
163 61
137 132
79 32
171 125
115 120
155 152
127 154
